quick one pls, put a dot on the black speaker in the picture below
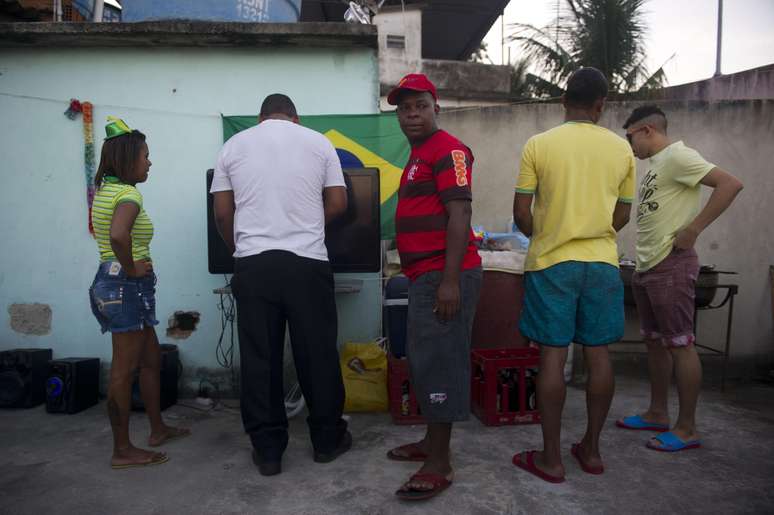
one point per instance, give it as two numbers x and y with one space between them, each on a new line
23 377
72 385
219 258
170 374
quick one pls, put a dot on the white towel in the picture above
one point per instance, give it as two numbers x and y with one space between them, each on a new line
508 261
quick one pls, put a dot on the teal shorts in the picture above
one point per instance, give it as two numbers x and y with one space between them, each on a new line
573 302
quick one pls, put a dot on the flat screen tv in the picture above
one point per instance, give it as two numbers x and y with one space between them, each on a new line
353 240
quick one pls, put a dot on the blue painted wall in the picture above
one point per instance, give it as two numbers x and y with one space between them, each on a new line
264 11
175 96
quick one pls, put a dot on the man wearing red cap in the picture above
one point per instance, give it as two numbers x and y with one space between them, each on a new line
437 254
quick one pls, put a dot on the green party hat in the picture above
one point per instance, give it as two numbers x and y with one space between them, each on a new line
116 127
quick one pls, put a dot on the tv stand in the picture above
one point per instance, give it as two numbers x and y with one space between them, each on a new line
342 286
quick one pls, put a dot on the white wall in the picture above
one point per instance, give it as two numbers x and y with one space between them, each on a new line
736 136
394 63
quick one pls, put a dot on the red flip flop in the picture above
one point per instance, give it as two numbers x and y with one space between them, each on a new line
411 452
586 468
526 460
439 484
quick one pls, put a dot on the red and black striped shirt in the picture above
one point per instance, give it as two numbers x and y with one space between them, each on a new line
438 171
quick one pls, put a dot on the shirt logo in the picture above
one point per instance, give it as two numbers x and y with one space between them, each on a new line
648 188
437 398
460 167
412 171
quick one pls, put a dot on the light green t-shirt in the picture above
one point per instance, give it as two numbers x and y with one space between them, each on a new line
669 200
111 193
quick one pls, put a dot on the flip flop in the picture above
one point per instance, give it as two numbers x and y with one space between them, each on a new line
179 433
636 422
586 468
439 484
411 452
158 459
526 460
672 443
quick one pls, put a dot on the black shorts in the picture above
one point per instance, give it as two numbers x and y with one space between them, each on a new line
439 352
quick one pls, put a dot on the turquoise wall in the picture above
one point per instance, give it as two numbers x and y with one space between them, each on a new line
175 96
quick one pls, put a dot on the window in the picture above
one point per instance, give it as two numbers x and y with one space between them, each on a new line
394 41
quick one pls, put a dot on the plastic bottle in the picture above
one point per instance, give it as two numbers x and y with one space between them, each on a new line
531 389
404 398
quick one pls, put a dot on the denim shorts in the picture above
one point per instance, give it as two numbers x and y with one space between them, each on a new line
439 352
573 301
665 299
121 303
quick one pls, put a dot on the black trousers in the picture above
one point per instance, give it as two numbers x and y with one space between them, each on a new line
273 288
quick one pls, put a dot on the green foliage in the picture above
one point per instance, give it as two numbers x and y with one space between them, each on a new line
606 34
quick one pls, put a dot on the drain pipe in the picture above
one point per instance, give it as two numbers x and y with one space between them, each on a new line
720 38
57 10
99 7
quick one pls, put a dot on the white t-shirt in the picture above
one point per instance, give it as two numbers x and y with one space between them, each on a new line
277 171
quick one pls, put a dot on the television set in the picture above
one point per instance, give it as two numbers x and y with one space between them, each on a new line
353 240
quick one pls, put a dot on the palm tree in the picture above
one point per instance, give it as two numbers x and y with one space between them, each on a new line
527 85
605 34
481 54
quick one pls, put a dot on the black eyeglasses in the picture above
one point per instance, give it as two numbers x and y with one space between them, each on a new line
635 131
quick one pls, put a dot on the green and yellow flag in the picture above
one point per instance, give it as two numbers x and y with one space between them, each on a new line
369 140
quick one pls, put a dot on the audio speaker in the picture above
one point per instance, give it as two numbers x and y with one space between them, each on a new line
23 377
72 385
219 258
170 374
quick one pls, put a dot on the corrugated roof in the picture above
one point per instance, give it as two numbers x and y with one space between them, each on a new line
451 29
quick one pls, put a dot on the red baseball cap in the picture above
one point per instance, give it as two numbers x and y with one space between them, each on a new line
413 82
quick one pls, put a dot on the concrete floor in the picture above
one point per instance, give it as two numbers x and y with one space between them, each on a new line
59 464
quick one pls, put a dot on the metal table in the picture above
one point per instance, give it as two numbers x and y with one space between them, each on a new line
731 291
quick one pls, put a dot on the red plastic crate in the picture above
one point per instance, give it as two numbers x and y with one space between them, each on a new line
397 377
486 385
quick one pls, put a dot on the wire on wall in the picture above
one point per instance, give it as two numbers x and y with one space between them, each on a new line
224 351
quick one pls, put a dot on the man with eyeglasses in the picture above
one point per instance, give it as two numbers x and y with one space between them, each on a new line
668 223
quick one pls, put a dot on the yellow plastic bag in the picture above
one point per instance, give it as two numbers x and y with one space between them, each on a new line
364 369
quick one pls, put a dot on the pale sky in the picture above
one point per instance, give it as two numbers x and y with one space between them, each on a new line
686 28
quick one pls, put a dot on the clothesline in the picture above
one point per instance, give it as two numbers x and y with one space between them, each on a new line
113 106
219 115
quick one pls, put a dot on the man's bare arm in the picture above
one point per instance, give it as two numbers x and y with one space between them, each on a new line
726 188
224 208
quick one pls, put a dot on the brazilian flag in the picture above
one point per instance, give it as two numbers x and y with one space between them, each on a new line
365 140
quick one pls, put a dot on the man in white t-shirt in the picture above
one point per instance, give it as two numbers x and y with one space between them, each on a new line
275 187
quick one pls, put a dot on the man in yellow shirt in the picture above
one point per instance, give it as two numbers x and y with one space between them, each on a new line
668 223
581 178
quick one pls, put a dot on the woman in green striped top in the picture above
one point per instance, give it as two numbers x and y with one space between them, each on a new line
123 292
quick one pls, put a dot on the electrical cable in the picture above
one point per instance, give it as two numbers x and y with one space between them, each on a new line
224 352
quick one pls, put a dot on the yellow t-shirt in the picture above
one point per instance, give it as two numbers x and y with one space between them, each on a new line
577 171
669 200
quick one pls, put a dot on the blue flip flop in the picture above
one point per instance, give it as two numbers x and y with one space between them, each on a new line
637 422
671 443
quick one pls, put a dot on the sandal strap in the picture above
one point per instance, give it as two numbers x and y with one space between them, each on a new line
408 451
426 477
